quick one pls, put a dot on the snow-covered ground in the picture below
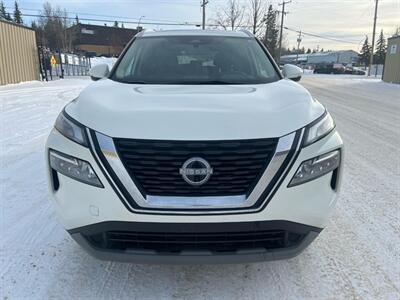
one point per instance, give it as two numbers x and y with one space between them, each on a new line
356 257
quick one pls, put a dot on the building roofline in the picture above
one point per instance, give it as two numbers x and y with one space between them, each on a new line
15 24
101 26
393 37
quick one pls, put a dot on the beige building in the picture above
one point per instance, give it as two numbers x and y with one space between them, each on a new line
391 71
18 53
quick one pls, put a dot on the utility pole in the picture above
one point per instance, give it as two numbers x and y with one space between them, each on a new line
298 47
280 36
371 59
205 2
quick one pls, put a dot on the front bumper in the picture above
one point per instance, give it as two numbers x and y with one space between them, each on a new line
82 207
195 243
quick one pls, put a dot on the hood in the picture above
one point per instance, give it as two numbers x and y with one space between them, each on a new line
195 112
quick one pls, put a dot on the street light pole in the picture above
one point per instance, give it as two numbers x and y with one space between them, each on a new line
140 19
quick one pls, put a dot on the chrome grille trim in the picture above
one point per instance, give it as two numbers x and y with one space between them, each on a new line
152 204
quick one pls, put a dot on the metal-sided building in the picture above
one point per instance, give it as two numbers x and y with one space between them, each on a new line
342 57
100 40
391 71
18 53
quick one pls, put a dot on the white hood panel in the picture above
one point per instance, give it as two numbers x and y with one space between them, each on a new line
195 112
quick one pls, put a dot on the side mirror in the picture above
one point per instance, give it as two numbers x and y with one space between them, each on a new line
99 71
292 72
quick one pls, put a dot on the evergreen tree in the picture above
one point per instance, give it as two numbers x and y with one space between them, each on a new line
271 33
3 14
76 20
285 51
115 23
380 53
365 54
397 31
17 14
308 51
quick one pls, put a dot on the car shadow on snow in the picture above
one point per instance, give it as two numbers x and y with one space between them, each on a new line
110 279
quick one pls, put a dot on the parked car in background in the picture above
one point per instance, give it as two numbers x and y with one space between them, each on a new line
354 70
358 71
329 69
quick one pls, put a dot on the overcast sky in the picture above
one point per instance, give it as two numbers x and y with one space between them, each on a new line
347 21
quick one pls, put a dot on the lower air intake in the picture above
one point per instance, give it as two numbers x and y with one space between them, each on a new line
216 242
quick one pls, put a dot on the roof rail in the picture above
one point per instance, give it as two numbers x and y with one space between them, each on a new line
246 32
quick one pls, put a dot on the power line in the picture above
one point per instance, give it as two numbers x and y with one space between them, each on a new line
108 20
101 15
322 37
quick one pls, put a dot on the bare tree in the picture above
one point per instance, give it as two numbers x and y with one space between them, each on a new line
52 28
67 36
256 15
231 16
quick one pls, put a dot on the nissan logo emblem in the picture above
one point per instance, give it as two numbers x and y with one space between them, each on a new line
196 171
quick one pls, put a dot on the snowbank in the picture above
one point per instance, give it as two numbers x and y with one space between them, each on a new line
110 61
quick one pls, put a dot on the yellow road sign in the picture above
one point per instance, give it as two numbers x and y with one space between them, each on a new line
53 60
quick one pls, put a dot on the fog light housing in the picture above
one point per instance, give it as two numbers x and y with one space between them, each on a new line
74 168
316 167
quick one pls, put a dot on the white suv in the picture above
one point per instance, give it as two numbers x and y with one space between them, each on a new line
194 149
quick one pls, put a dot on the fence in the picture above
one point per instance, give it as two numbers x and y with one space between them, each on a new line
54 64
18 53
376 70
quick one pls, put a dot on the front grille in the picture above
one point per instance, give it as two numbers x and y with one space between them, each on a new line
216 242
154 165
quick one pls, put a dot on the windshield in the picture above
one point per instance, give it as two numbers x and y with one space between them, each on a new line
195 60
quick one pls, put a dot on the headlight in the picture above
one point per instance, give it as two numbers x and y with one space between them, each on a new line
73 167
319 129
316 167
71 129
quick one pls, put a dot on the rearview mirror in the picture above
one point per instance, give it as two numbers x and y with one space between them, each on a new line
292 72
99 71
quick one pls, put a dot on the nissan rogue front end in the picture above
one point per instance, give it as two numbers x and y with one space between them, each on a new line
195 148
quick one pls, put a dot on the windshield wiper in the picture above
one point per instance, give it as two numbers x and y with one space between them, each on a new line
137 82
216 82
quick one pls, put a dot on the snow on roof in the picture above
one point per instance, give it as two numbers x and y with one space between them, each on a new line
295 56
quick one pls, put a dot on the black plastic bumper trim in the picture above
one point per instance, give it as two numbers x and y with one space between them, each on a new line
194 257
194 227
